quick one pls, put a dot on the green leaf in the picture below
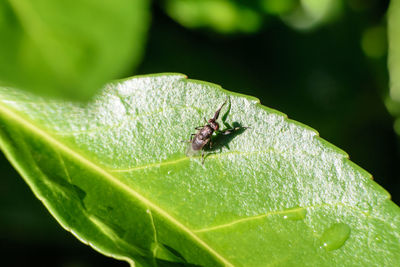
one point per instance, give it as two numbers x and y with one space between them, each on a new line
69 48
393 102
222 16
114 173
233 16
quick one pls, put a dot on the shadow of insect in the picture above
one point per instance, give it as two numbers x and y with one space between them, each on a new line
219 141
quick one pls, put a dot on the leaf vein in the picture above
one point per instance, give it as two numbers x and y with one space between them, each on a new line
271 213
171 162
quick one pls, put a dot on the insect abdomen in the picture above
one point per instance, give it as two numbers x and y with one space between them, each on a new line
198 144
202 138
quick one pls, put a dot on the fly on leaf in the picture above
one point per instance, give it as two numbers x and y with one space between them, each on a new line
199 140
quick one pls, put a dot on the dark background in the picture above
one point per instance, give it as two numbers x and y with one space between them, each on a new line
321 78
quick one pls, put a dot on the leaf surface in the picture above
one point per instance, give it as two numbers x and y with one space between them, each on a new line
115 174
69 48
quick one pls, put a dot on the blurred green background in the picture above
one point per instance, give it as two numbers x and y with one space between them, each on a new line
322 62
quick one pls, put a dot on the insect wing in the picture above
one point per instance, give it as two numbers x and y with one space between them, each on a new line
190 152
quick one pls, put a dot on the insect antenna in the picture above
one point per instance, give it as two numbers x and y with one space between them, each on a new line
216 115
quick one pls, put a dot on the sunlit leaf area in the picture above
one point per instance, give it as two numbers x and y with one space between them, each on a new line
98 101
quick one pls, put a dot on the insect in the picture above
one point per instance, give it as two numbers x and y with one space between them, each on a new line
203 136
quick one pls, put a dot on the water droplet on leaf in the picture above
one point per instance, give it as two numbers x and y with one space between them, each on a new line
335 236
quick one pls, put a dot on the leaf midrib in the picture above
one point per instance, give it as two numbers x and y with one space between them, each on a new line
10 113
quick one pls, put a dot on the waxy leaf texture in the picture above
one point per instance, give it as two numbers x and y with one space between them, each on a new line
114 173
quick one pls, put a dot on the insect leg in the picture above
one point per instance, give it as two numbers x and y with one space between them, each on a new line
191 139
202 157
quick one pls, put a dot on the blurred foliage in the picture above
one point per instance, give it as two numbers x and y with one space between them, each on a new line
373 42
69 48
230 16
393 99
313 13
221 15
333 78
